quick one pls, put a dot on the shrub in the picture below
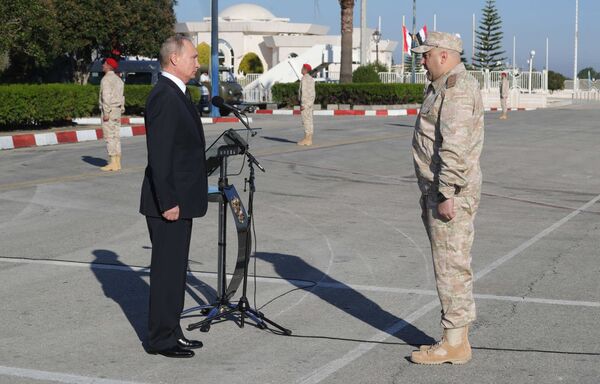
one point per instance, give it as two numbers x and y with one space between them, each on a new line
47 104
353 94
365 74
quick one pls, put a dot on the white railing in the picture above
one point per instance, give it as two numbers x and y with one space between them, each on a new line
258 95
250 77
487 79
591 96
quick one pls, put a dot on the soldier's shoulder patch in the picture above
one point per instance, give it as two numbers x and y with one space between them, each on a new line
451 82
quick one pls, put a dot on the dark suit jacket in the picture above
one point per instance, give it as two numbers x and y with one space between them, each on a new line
176 171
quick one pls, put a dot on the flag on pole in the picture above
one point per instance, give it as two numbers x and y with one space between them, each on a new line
422 35
407 39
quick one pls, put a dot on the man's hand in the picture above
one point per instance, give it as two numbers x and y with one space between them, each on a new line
446 209
171 214
301 108
105 118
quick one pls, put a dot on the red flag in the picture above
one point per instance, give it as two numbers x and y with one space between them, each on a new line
407 39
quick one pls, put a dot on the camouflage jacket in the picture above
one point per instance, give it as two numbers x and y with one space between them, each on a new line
448 136
504 88
111 99
306 93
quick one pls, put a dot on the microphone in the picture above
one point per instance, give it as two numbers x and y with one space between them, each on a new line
219 102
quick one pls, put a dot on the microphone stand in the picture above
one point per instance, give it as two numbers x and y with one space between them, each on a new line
223 307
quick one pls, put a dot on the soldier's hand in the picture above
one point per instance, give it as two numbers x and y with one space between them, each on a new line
171 214
446 209
104 118
301 108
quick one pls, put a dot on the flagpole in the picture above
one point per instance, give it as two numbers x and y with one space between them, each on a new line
575 82
514 52
435 22
403 42
473 42
413 64
546 53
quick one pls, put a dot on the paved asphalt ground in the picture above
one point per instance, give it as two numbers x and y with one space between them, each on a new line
343 260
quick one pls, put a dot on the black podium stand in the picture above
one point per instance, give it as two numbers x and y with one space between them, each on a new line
223 308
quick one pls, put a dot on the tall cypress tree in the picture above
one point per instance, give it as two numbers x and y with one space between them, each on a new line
489 38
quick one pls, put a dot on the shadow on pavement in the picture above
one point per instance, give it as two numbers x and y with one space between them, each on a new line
278 139
95 161
354 303
128 289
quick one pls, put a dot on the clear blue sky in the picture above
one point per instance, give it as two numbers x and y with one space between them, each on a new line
531 21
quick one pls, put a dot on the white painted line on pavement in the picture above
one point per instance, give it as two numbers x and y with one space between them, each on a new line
307 284
57 377
6 142
86 135
370 113
42 139
333 366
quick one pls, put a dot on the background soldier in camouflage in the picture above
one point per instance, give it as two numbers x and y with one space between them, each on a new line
504 90
307 101
447 144
112 104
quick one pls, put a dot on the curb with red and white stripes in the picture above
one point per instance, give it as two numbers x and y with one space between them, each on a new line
140 120
342 112
78 136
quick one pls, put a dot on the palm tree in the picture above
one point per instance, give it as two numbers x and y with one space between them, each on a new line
347 26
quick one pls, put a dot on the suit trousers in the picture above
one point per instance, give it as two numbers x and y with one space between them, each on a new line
170 251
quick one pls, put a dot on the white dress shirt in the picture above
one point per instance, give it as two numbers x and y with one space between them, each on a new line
176 80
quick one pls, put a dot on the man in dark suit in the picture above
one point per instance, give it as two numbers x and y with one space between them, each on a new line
174 191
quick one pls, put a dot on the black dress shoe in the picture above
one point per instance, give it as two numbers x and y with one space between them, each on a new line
176 352
189 344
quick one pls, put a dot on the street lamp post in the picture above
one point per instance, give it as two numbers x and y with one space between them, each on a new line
531 55
376 39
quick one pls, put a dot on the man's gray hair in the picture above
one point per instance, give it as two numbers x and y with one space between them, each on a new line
173 44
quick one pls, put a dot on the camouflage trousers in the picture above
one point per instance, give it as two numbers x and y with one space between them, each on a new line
503 105
307 120
451 243
111 130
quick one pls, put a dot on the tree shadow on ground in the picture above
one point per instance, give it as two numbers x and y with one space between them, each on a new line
297 272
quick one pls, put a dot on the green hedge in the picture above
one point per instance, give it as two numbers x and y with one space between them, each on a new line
24 105
353 94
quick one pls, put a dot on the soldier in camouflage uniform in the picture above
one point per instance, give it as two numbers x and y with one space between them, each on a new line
112 104
504 90
307 94
447 143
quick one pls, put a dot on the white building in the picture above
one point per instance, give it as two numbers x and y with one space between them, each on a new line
246 28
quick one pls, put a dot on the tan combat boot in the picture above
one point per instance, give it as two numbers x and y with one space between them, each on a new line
111 166
454 348
307 140
118 165
503 117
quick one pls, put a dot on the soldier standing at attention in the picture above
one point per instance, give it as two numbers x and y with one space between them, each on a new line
112 104
504 90
306 94
447 143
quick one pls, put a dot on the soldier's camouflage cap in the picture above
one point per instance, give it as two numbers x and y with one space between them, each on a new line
440 40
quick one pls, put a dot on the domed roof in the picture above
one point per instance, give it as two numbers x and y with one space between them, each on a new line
246 12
